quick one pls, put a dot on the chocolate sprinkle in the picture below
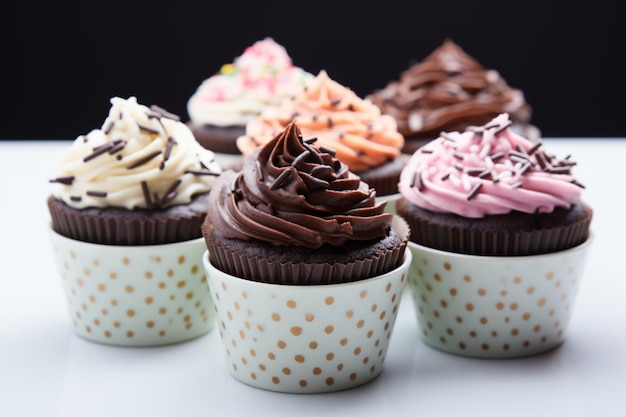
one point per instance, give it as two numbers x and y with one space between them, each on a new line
259 171
97 193
335 101
143 160
75 198
146 194
98 151
474 191
64 180
147 129
328 150
164 113
417 180
282 178
534 148
300 158
196 172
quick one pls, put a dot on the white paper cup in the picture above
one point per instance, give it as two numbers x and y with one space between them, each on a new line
306 339
494 307
135 295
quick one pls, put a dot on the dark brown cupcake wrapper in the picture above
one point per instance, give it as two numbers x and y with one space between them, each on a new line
242 265
472 241
117 226
384 179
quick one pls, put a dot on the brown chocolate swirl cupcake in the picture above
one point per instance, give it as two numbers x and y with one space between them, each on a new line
296 214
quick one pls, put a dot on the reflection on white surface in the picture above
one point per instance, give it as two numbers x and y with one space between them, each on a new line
46 370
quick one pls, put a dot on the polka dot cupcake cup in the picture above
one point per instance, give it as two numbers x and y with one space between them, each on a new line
135 295
306 339
494 307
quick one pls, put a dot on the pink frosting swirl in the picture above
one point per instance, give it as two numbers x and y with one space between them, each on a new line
488 170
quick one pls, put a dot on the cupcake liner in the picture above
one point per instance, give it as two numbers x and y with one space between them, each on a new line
436 231
118 226
229 259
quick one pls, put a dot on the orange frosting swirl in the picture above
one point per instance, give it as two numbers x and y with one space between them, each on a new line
362 137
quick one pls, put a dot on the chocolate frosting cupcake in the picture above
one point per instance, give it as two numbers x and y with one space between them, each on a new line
296 215
449 91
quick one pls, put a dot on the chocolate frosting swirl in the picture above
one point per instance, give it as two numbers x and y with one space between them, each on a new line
291 193
449 91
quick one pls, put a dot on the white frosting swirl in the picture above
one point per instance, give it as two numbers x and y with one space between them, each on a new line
140 158
262 76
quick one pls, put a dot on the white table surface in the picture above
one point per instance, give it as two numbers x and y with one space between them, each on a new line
46 370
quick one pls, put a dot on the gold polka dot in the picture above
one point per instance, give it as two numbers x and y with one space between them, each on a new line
194 269
469 307
244 294
526 316
150 324
189 295
101 287
530 290
513 306
370 334
125 261
313 345
86 272
107 333
116 324
281 344
236 305
541 302
162 310
329 329
129 288
261 328
444 303
330 356
72 254
148 275
299 358
526 343
271 356
349 314
96 322
92 298
302 383
459 319
105 312
388 287
563 296
515 332
537 328
149 300
130 333
453 291
551 312
296 330
500 306
88 329
309 317
482 292
472 333
343 342
360 324
130 312
374 308
437 277
180 284
340 367
505 346
363 294
181 259
286 371
549 275
79 282
483 320
467 278
112 275
449 331
429 288
485 346
275 317
317 370
291 304
275 380
161 285
170 273
330 381
357 351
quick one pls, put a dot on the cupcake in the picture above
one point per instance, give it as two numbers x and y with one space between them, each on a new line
306 270
498 233
222 105
364 139
126 211
449 91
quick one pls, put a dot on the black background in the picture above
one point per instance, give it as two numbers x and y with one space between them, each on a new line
62 62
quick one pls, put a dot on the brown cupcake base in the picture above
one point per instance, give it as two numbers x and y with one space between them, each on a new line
119 226
512 234
217 138
259 261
